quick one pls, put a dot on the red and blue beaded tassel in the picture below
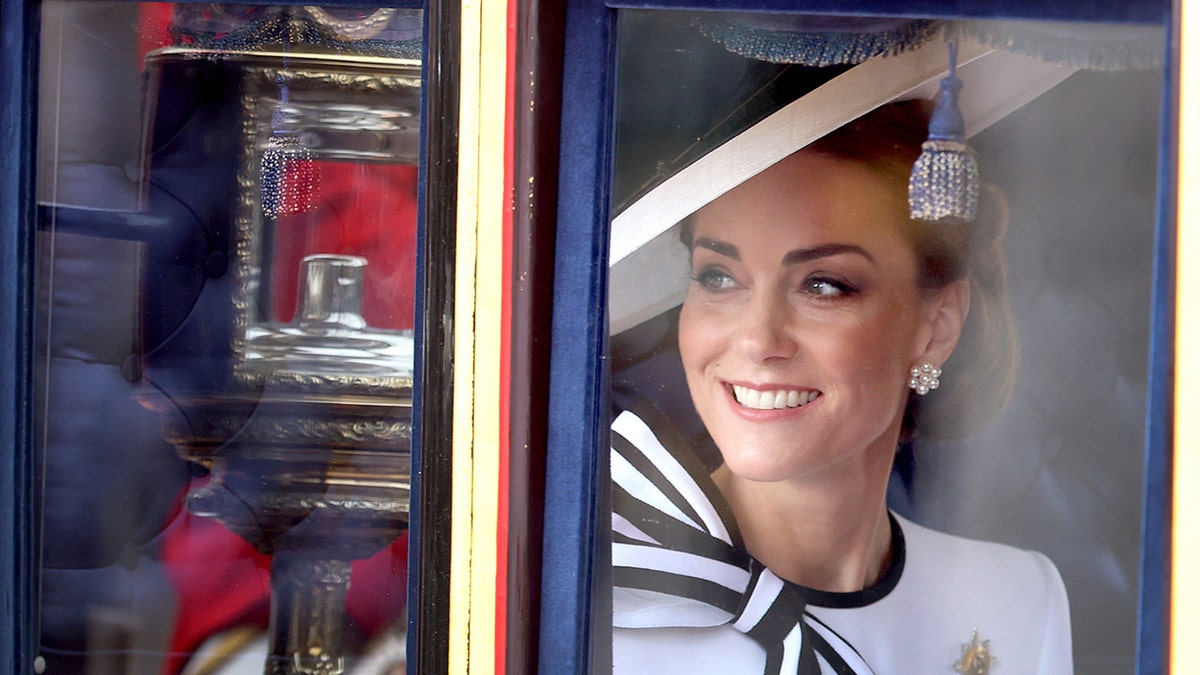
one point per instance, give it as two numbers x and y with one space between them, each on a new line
288 173
288 177
944 185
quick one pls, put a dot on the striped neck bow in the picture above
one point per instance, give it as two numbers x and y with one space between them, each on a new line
673 533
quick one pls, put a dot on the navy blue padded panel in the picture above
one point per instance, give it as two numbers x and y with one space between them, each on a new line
104 486
18 540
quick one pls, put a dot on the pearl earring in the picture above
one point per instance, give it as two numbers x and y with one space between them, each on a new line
924 379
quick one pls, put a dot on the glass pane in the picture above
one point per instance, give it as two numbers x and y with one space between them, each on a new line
226 279
770 292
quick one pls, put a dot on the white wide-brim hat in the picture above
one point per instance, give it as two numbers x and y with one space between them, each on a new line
1002 65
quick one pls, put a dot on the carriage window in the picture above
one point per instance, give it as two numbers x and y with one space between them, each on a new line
857 332
226 273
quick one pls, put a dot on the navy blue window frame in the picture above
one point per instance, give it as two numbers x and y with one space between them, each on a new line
576 519
19 515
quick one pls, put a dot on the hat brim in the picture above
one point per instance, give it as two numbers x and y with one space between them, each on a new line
648 264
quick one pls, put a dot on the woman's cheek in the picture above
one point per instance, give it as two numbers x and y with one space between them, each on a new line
698 326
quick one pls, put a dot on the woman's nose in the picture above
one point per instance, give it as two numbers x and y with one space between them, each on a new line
767 329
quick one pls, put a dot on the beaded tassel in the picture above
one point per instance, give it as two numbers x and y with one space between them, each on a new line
945 179
288 176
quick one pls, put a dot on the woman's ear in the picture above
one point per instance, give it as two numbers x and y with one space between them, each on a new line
944 313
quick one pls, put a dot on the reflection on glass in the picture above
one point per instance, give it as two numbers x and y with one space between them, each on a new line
227 265
367 209
710 109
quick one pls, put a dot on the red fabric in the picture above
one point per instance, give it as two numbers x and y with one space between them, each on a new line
222 582
379 587
369 210
154 27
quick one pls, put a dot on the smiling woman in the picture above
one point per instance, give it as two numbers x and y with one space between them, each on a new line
815 306
805 284
837 319
794 421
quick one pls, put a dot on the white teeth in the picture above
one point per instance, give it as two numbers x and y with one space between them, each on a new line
772 400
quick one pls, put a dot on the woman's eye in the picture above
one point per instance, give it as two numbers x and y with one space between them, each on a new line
714 278
826 287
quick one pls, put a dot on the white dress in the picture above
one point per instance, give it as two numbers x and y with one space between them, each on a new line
946 605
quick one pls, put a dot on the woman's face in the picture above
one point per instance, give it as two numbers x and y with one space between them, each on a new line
803 319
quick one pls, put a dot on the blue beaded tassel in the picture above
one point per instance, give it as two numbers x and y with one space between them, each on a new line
944 185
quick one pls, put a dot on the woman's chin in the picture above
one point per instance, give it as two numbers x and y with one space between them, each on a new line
765 467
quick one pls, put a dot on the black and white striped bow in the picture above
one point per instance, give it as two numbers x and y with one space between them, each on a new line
673 533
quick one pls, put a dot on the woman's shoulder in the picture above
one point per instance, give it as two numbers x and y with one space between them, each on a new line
954 559
1012 599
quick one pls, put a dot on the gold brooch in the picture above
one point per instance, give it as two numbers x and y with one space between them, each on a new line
976 657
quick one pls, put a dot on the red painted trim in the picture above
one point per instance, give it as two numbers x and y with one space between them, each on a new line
506 307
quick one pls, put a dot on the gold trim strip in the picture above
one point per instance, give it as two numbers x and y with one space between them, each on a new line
482 194
1185 544
489 299
466 252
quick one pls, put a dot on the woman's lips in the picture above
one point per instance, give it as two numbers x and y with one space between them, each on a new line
772 399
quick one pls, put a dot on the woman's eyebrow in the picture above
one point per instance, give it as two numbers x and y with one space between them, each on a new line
802 255
719 247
